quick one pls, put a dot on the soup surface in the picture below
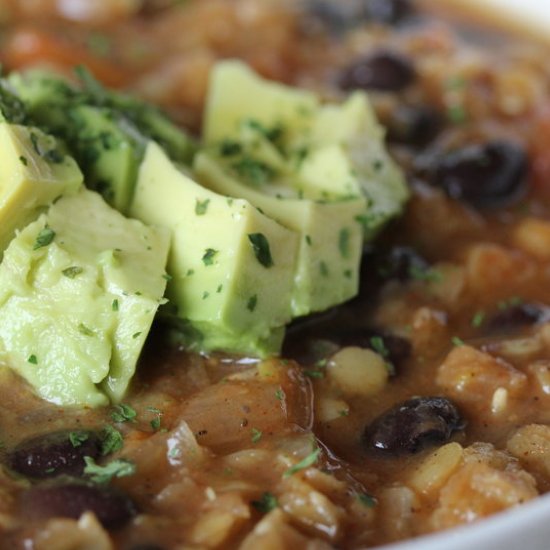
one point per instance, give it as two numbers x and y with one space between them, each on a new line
421 404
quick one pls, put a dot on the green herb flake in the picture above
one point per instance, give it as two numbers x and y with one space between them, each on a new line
428 275
367 500
44 238
343 242
72 272
256 435
124 413
279 394
83 329
114 305
308 240
229 148
167 277
24 160
155 423
32 359
136 335
252 303
478 319
261 248
219 289
456 113
378 345
111 440
201 207
205 294
323 268
208 256
103 474
77 438
267 502
253 171
308 461
456 341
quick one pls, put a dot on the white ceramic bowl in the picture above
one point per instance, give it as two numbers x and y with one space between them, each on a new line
526 527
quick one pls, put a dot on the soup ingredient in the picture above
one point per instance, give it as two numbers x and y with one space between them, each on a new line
413 425
80 351
414 125
231 267
384 70
489 175
309 167
516 315
54 454
105 131
71 499
34 170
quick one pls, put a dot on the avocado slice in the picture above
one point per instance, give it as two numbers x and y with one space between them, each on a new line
231 267
79 288
34 171
106 131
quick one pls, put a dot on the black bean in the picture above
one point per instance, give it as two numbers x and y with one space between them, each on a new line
515 316
54 454
388 12
413 425
413 125
384 70
490 175
70 500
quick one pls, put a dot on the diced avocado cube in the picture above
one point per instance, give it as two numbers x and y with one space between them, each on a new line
33 172
79 288
353 126
330 237
106 154
326 152
231 267
106 131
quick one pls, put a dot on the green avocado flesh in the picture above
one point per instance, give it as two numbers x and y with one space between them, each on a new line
231 267
79 289
265 222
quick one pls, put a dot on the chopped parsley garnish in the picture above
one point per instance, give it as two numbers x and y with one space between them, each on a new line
136 335
208 256
114 305
343 242
103 474
308 461
256 435
511 302
267 502
308 240
280 394
228 148
205 294
77 438
253 171
378 345
83 329
260 245
428 275
111 440
72 272
124 413
167 277
219 289
155 423
201 207
457 341
32 359
323 268
252 303
24 160
478 319
44 238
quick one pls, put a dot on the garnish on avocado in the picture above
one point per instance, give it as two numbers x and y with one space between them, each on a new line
208 256
260 245
44 238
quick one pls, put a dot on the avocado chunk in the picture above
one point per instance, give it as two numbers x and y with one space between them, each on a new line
33 172
231 267
79 288
283 136
106 131
330 237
